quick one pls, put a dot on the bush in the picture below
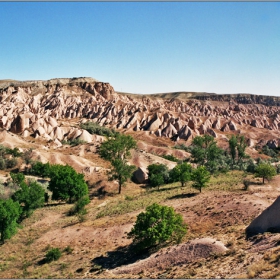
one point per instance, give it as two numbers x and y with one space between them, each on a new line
156 226
2 163
53 255
182 147
10 163
171 158
79 206
73 142
95 128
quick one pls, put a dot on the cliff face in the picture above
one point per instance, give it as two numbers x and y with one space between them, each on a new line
34 108
243 99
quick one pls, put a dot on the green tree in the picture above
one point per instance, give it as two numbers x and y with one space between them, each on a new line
232 147
117 150
17 178
66 183
241 146
156 226
200 177
40 169
181 173
157 174
265 171
205 152
9 214
237 146
30 196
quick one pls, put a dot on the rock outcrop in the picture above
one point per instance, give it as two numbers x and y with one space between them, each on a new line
34 108
267 221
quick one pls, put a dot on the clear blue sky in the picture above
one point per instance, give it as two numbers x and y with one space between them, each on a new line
145 47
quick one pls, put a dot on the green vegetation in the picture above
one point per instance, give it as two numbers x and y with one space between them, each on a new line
53 254
30 195
205 152
8 157
265 171
182 147
117 150
95 128
158 175
200 177
237 148
156 226
181 173
40 169
66 183
79 206
9 214
270 152
171 158
73 142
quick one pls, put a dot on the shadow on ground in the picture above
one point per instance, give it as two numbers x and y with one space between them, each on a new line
120 256
183 195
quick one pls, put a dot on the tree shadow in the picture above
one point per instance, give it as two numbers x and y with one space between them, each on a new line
155 189
42 261
53 204
121 256
183 195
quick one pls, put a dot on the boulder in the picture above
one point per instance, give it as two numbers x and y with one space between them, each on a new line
267 221
85 136
140 176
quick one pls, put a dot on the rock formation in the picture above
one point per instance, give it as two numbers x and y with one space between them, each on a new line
35 108
268 220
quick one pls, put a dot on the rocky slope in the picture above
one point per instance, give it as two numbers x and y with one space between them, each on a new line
38 108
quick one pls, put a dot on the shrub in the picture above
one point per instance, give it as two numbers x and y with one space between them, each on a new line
10 163
182 147
79 206
95 128
170 157
73 142
156 226
2 163
27 155
53 255
68 249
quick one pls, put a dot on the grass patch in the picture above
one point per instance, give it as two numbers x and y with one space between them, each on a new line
141 201
230 181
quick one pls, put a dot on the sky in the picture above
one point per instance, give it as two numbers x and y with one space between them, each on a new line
145 47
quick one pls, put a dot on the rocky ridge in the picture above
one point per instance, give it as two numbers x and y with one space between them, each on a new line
40 108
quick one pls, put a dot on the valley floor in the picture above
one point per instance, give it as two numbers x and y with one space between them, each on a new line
214 246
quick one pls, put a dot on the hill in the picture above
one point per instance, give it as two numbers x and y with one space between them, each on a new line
49 120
